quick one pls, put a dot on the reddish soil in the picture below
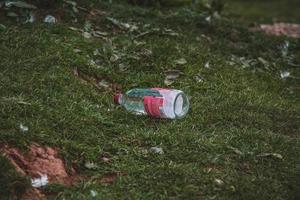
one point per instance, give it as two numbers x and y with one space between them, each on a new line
37 161
287 29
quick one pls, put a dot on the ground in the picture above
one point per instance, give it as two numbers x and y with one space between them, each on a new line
240 139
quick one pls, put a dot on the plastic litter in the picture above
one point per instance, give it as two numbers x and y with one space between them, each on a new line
93 193
284 74
40 182
50 19
157 150
23 128
155 102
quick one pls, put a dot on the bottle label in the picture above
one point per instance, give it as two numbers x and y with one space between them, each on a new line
153 105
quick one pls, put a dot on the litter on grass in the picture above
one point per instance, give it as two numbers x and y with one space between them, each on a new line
23 128
50 19
285 74
157 150
40 182
157 103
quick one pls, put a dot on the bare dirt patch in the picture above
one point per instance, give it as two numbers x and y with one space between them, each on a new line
37 161
287 29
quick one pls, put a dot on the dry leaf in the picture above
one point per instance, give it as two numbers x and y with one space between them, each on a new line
274 155
110 178
86 35
235 150
90 165
219 182
181 61
171 76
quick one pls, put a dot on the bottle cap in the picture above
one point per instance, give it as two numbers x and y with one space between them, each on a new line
117 98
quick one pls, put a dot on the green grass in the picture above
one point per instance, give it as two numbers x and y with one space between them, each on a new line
266 11
251 109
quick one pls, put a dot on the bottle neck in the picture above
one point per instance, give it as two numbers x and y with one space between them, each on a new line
117 98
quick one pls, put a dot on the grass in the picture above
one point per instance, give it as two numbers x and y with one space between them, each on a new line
264 11
236 113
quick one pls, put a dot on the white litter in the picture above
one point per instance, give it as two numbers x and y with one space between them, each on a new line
50 19
40 182
207 64
24 128
93 193
157 150
284 74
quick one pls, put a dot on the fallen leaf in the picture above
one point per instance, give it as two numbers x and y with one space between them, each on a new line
146 52
235 150
104 83
122 67
105 159
117 23
263 61
74 28
275 155
171 76
114 57
100 33
11 14
86 35
20 4
94 12
87 26
90 165
181 61
96 52
168 82
110 178
2 27
76 50
170 32
198 79
285 48
207 65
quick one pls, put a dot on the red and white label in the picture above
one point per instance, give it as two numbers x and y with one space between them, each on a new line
153 105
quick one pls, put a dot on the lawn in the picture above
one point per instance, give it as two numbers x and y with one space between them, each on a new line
240 139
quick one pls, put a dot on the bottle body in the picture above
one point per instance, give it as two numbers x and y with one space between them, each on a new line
155 102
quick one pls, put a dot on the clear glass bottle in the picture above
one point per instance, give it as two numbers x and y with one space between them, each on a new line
155 102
